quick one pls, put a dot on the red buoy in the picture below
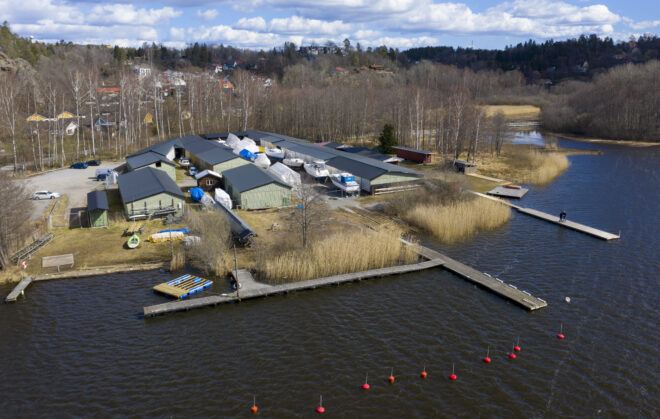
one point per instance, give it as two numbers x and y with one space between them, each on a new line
487 357
452 376
560 335
254 409
365 386
423 374
512 355
320 409
517 346
390 379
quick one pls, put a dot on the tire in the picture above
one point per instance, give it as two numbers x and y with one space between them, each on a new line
52 197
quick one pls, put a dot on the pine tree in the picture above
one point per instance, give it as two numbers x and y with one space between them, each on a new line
387 139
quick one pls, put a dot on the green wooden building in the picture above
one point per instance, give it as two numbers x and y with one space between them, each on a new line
97 209
151 159
251 187
148 193
209 155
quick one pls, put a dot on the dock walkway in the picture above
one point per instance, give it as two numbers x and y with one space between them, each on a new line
604 235
19 289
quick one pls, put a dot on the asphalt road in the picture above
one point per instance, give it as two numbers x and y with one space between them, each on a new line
72 182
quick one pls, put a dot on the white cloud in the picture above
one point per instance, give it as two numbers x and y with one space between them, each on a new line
127 14
300 25
645 24
177 34
30 11
47 30
207 15
254 23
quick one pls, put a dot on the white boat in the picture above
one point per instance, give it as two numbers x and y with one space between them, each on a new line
346 183
317 170
293 162
275 153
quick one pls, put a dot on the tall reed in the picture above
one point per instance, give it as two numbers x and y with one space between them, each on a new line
336 254
545 167
460 219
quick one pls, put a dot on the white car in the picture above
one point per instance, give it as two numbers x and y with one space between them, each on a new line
184 162
45 195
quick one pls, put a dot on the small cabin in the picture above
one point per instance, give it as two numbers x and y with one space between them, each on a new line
97 209
413 154
208 180
463 166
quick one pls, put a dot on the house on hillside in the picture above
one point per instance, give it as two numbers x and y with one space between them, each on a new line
251 187
149 193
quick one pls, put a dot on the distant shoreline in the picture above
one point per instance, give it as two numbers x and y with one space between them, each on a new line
603 141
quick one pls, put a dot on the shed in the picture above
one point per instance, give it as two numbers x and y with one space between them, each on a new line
413 154
252 187
97 209
148 193
463 166
208 180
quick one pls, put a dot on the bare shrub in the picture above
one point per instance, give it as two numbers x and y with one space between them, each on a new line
15 212
209 254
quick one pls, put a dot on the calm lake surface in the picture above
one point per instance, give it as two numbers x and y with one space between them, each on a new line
80 347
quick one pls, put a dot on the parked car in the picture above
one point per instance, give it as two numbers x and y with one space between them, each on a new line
184 162
101 174
79 165
94 162
45 195
192 170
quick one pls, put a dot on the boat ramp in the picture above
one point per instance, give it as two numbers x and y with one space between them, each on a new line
18 289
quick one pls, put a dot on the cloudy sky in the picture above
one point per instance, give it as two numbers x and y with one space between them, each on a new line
268 23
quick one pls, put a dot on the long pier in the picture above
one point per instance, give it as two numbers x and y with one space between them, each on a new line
18 290
604 235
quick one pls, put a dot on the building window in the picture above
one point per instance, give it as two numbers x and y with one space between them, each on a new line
158 164
209 182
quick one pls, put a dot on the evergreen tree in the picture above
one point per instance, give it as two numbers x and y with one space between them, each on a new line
387 139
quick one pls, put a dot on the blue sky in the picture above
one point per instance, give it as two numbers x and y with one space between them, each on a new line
258 24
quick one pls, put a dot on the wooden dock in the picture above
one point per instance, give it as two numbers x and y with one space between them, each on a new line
19 289
251 289
604 235
183 286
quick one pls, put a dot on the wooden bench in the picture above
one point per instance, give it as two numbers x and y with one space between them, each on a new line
57 261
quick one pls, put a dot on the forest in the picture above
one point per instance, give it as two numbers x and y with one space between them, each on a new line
342 93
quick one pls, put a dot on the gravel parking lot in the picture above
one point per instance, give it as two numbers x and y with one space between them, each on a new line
72 182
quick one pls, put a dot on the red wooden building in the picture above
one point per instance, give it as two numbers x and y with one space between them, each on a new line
413 154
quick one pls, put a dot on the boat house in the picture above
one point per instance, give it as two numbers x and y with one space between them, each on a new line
463 166
149 193
413 154
210 155
251 187
97 209
151 159
208 180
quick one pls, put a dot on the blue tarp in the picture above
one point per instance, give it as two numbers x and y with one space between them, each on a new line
247 155
347 179
196 194
183 230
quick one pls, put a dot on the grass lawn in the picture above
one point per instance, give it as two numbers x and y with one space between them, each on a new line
513 111
92 247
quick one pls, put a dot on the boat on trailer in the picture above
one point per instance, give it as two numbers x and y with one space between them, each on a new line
346 183
317 170
293 162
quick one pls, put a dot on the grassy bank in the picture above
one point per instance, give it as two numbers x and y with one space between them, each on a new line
523 164
458 220
513 111
629 143
339 253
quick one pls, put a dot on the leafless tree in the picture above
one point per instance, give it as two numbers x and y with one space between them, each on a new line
9 88
15 213
309 213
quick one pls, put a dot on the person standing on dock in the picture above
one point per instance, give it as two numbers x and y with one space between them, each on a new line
562 216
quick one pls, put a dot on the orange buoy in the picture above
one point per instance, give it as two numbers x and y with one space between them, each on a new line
365 386
390 379
452 376
487 357
423 374
254 409
320 409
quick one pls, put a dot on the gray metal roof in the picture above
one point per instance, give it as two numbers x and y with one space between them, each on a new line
145 159
97 200
249 176
334 145
162 148
363 170
145 183
415 150
210 152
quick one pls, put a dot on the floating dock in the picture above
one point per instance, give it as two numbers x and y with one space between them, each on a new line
19 289
183 286
604 235
505 192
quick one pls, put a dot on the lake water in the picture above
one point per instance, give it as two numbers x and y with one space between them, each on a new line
80 347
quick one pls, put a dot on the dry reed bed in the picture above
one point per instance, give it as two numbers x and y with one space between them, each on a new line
458 220
524 165
339 253
545 167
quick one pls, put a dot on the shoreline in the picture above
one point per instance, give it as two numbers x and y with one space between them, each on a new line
94 271
583 139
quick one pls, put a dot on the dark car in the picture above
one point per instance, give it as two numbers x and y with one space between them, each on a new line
79 165
94 162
